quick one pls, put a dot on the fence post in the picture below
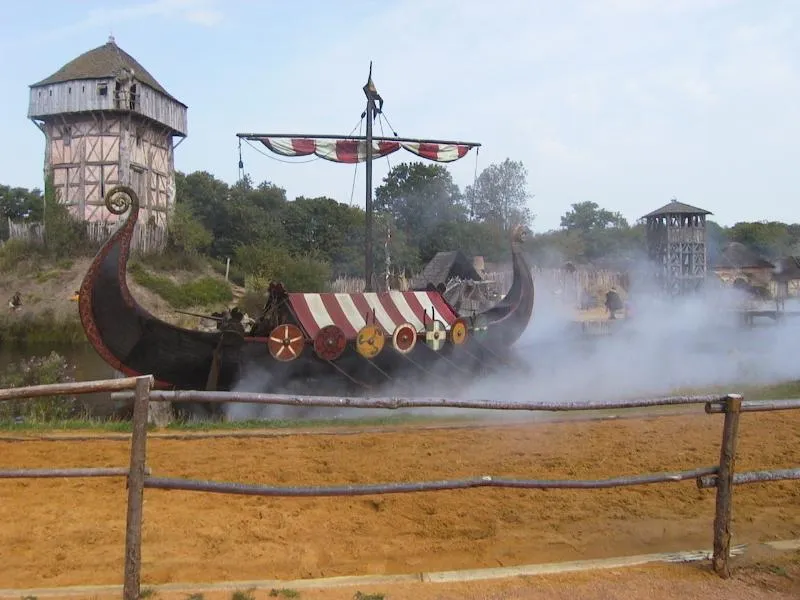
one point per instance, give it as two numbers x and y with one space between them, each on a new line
724 504
133 531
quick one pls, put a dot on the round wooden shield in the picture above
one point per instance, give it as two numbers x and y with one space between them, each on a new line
330 342
286 342
458 332
404 338
370 341
435 334
480 325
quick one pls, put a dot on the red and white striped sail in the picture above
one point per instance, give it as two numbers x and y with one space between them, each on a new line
350 312
355 150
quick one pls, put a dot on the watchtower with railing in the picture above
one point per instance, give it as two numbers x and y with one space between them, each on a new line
676 239
107 121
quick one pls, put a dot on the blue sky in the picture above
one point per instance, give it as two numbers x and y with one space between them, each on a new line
624 102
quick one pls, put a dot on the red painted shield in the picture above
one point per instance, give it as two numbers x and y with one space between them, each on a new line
286 342
404 338
330 342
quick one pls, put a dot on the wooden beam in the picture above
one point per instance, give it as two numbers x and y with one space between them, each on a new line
724 503
136 476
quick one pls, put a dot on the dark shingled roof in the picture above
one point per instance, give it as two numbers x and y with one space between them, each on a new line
677 208
103 62
787 268
738 256
445 265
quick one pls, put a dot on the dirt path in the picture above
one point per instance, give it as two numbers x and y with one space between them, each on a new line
70 532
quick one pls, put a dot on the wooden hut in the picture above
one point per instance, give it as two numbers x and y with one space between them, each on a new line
737 262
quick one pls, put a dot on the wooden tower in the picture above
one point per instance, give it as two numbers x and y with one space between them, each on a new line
677 244
107 121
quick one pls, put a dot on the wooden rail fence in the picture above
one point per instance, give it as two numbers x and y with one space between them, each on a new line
721 476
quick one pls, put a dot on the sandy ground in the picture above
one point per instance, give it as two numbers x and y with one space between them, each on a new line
71 532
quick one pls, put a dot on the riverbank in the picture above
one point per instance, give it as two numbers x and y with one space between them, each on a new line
49 310
456 420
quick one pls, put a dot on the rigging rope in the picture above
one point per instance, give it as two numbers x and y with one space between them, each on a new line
355 171
474 184
383 114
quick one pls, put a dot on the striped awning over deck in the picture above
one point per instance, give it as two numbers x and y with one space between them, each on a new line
351 311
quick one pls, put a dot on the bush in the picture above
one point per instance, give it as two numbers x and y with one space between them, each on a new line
44 328
49 369
204 291
18 254
170 260
265 262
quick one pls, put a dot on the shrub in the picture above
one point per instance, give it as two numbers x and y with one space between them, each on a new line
264 263
170 260
204 291
15 253
36 370
44 328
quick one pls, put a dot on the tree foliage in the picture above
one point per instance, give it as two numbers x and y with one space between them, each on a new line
419 211
418 197
500 195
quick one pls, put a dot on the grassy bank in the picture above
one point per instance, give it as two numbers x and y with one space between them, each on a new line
41 328
122 426
786 390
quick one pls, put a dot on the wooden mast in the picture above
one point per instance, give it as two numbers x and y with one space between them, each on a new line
374 108
370 93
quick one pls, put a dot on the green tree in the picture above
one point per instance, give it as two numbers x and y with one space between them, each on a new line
326 228
419 196
265 262
186 232
604 233
588 216
235 215
500 195
63 235
771 239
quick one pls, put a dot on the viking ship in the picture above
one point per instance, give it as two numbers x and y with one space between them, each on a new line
335 342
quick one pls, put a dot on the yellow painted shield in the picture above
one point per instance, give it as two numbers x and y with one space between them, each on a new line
370 341
458 332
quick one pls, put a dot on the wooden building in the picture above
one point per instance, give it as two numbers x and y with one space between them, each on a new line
107 121
786 278
738 263
676 239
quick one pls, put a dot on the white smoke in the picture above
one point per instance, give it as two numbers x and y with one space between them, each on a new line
687 342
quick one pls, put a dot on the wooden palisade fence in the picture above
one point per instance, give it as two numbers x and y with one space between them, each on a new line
722 476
